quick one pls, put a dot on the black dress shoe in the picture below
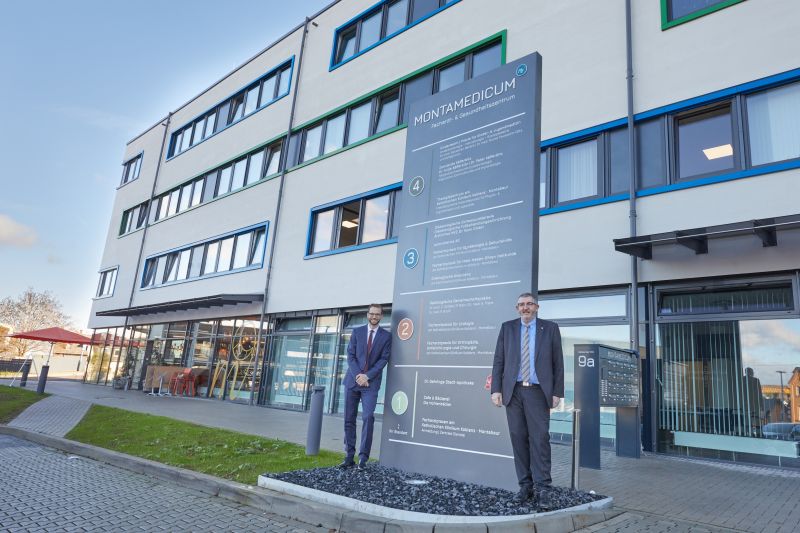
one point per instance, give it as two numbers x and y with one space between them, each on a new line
524 494
362 465
544 499
347 464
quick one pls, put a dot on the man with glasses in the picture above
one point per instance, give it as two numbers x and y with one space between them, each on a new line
528 378
367 354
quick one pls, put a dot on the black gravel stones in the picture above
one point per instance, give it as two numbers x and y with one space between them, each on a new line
427 494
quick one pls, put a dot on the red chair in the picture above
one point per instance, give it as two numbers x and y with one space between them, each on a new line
188 383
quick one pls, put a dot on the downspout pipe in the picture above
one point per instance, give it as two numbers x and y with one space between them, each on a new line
282 180
633 159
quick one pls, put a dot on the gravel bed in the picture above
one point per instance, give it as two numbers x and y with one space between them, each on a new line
427 494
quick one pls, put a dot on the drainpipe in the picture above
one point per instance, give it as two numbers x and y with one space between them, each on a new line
285 149
633 162
633 159
146 226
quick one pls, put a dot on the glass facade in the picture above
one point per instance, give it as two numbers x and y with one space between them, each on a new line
722 381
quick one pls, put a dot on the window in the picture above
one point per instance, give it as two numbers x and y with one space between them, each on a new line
323 231
244 249
370 30
382 112
486 60
773 120
388 108
131 168
675 12
133 219
186 197
334 133
396 16
359 122
237 179
254 164
451 75
257 95
108 279
273 159
352 222
705 143
379 23
311 144
577 176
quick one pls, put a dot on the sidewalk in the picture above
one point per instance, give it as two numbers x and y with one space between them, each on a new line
659 493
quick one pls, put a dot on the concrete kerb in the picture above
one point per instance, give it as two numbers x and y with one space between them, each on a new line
391 514
311 511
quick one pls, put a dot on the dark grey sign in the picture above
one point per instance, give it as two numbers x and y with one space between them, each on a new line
606 377
467 247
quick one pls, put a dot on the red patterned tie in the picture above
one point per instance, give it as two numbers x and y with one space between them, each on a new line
369 348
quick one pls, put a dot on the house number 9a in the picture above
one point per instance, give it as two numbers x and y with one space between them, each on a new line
584 361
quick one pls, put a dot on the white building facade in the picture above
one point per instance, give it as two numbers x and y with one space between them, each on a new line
253 224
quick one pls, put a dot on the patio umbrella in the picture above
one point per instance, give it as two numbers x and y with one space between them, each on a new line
51 335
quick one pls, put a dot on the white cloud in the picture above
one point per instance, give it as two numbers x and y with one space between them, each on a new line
12 233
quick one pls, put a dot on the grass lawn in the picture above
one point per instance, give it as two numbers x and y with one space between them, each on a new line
219 452
14 400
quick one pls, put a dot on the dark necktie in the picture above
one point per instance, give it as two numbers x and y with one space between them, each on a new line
369 348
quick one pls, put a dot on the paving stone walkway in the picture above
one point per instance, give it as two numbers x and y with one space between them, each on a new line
49 491
54 415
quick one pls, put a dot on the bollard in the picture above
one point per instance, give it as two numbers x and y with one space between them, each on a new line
25 369
576 445
315 420
42 379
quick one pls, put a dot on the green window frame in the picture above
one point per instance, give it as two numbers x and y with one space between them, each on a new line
666 23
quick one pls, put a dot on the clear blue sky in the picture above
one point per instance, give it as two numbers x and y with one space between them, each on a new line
78 80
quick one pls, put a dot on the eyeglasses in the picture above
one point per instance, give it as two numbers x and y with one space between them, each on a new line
526 304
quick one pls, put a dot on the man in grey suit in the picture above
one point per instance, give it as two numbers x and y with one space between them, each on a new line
528 378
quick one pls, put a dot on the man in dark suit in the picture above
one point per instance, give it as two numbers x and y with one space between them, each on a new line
528 378
367 354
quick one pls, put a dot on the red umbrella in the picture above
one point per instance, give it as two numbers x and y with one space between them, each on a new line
53 335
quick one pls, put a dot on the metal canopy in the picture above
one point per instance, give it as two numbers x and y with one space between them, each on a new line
219 300
766 229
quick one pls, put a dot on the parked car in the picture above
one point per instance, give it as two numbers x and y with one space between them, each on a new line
782 431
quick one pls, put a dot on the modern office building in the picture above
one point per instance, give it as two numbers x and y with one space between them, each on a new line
253 225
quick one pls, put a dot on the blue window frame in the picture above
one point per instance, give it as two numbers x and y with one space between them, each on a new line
378 24
131 169
237 251
352 223
257 95
738 132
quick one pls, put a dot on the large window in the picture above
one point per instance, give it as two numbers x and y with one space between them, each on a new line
736 133
725 358
380 23
235 252
108 279
362 220
387 109
131 168
705 143
262 92
230 177
133 218
675 12
773 119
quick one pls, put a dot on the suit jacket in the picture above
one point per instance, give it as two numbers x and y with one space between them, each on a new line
357 357
548 359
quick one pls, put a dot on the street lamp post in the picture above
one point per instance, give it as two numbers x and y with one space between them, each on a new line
781 372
